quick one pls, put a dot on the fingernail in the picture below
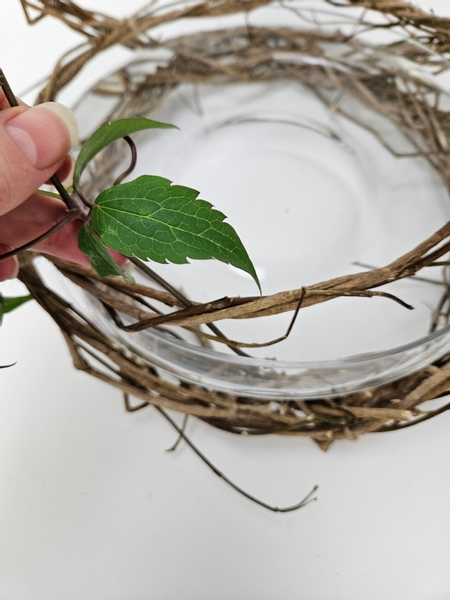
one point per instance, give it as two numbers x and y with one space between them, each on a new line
44 133
66 115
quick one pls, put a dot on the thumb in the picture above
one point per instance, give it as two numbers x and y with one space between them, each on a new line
33 144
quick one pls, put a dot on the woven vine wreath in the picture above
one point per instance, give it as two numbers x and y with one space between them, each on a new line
239 55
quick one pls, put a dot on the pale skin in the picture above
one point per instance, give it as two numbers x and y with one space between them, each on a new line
34 145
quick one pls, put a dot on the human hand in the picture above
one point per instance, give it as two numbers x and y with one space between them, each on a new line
34 145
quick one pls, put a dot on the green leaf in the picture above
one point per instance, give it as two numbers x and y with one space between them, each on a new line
152 219
105 135
9 304
12 303
6 306
101 260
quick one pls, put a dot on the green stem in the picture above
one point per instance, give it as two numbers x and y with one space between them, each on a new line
49 194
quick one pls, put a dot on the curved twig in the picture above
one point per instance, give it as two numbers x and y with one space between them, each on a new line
130 169
306 500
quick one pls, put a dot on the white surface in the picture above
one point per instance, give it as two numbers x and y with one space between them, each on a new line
92 508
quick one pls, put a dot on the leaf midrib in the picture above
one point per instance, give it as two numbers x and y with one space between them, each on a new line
176 228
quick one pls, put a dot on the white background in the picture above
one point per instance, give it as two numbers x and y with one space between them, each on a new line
93 508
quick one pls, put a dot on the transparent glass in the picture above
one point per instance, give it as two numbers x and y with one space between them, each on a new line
313 195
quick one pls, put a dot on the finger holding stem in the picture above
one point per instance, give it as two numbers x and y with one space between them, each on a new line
34 147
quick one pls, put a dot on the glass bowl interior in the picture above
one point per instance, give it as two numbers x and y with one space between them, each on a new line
313 195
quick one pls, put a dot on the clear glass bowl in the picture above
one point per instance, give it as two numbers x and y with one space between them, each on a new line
313 195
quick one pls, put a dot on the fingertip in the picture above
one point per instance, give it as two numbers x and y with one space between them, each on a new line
44 134
34 144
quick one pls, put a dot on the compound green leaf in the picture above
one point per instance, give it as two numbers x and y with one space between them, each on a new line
153 219
101 261
105 135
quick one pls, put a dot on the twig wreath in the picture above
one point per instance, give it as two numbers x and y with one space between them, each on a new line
240 54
